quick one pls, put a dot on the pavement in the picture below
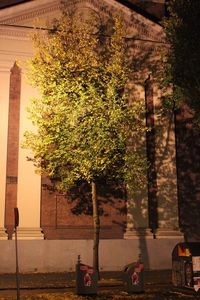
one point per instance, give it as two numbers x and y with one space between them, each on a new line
157 286
67 280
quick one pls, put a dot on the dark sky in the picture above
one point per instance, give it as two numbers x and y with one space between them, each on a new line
7 3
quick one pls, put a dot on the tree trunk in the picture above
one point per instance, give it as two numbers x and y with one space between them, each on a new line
96 228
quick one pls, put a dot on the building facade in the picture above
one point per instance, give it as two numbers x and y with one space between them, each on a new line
50 231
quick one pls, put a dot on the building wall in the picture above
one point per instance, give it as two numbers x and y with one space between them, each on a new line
61 255
46 218
70 217
188 165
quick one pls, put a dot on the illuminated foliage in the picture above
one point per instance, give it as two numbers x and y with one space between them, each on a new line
83 117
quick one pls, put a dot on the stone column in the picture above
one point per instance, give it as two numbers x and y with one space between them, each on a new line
137 202
153 211
14 89
165 167
4 101
29 183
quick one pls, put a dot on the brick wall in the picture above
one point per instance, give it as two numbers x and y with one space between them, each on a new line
67 217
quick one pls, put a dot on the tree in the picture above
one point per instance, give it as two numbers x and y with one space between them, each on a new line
182 69
83 117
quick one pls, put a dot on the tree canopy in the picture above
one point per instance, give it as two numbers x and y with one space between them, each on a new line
183 62
83 117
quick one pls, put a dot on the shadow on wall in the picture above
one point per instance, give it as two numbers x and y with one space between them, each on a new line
158 207
61 216
160 210
188 166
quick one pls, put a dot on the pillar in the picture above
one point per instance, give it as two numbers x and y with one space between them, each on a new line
165 168
4 100
12 148
29 183
153 211
137 201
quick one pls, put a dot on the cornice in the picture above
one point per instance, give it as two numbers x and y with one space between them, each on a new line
16 53
14 33
137 23
144 26
32 12
146 30
5 69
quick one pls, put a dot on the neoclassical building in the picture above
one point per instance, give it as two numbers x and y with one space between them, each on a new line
51 233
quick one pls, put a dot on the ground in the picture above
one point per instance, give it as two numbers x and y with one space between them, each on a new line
61 286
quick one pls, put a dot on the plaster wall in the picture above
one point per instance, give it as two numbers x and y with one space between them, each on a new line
29 182
61 255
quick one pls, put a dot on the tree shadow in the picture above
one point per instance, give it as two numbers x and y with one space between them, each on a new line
73 209
188 165
154 204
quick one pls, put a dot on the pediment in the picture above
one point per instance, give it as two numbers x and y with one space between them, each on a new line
21 18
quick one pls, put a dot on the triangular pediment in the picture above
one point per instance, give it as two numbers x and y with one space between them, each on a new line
21 17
